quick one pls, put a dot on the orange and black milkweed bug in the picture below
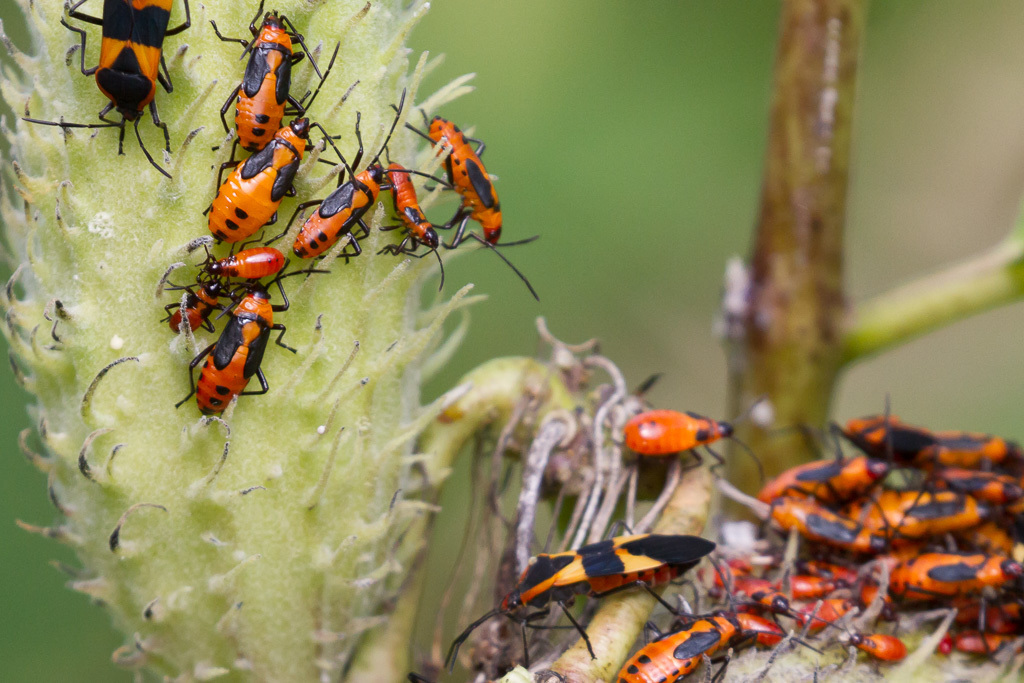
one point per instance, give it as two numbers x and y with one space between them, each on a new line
597 570
131 56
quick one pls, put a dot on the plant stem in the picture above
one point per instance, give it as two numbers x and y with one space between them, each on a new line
790 352
965 289
259 544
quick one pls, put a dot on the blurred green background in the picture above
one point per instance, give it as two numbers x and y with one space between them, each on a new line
630 136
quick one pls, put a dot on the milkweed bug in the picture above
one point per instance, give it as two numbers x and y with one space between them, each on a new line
677 654
817 523
974 642
830 481
831 611
827 570
1004 618
915 445
466 173
991 537
880 646
261 98
198 307
419 230
597 570
344 208
884 436
255 188
937 575
249 264
998 489
919 514
663 432
236 356
131 56
807 587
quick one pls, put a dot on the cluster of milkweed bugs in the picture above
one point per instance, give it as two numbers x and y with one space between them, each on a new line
131 64
238 285
917 519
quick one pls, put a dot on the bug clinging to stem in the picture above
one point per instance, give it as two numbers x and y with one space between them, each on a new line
255 188
467 176
264 98
665 432
129 68
598 569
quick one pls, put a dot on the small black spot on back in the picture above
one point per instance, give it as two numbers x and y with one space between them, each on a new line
231 224
262 118
223 391
241 214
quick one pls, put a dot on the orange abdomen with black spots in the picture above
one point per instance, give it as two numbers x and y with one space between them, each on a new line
237 355
255 188
338 214
670 658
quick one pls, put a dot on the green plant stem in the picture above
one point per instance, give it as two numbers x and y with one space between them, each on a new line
965 289
259 544
493 390
620 619
790 352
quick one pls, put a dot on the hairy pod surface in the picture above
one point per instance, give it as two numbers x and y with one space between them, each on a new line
259 544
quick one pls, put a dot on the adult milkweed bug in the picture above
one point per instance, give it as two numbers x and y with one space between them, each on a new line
830 481
597 570
198 307
937 575
418 229
131 56
261 98
880 646
677 654
236 356
249 264
255 188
